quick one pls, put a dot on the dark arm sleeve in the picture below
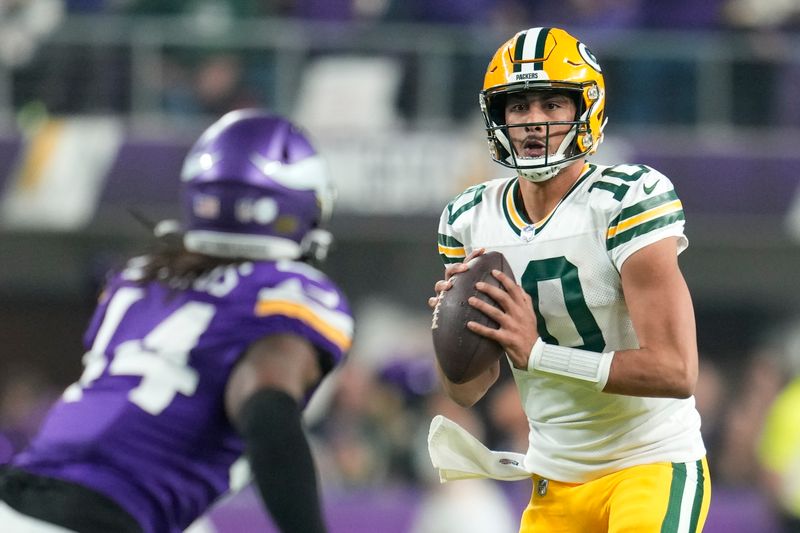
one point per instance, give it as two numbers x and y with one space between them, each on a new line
281 461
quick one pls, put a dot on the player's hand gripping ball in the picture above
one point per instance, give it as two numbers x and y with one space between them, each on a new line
462 353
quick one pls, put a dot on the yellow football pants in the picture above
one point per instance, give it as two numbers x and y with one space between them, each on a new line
654 498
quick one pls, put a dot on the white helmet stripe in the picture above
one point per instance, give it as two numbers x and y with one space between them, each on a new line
532 47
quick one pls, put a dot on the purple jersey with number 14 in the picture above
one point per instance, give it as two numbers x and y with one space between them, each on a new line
146 424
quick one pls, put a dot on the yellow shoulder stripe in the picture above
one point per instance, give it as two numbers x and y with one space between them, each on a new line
646 216
307 315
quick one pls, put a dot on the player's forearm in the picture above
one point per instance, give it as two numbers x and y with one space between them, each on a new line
668 371
467 394
665 372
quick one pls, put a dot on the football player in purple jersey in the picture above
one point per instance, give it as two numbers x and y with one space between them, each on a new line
201 355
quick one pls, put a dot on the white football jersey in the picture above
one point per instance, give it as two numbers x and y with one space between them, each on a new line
570 264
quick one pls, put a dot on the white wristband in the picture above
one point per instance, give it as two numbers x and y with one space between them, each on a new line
592 367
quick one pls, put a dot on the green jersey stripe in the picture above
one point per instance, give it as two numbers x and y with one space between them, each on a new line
450 260
673 516
697 504
519 207
645 205
511 188
449 241
646 227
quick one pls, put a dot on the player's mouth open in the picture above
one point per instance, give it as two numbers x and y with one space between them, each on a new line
533 148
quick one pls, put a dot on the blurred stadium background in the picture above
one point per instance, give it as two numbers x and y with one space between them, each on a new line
99 100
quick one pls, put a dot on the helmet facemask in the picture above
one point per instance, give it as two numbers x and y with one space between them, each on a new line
546 166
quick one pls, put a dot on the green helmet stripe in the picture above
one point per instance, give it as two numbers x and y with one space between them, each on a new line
538 65
518 50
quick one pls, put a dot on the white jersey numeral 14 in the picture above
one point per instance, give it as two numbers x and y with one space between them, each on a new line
161 358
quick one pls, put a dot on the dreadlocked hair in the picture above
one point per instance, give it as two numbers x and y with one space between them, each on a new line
178 267
169 262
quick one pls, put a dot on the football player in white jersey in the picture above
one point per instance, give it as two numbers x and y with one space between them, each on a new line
600 331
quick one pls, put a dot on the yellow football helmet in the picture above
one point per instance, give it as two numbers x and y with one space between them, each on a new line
544 59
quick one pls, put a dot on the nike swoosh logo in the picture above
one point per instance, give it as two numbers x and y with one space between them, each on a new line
648 190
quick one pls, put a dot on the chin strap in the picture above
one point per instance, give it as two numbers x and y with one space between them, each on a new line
540 172
538 175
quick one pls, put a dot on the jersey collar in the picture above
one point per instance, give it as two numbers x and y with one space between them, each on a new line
514 209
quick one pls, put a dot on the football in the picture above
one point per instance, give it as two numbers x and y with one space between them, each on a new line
461 353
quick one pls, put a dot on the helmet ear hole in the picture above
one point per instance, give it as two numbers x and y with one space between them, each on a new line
497 109
577 99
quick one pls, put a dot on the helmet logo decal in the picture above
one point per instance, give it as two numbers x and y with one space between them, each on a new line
589 57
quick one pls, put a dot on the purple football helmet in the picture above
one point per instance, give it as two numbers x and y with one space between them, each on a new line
253 186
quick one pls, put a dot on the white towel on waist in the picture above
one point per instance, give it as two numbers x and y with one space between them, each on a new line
459 455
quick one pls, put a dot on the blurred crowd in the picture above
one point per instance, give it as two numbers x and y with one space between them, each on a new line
214 79
638 13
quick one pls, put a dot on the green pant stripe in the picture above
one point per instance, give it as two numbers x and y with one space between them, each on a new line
673 516
697 504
